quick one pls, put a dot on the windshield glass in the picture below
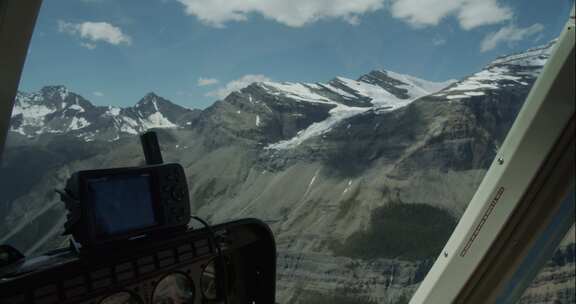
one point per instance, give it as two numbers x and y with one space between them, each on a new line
357 130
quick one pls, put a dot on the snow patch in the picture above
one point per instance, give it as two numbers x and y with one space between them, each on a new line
456 96
296 91
129 126
78 123
157 120
483 80
32 110
347 187
113 111
311 183
338 91
473 93
337 114
76 107
380 97
419 87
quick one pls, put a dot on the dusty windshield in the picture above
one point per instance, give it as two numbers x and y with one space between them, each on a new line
357 130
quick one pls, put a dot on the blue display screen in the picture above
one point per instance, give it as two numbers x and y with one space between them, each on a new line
121 203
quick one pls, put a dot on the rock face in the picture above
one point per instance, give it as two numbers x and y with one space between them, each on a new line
347 173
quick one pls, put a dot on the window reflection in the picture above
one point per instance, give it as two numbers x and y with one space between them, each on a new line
175 288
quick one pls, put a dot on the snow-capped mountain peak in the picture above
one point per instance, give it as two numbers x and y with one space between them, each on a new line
381 90
325 104
150 103
385 90
534 57
149 99
516 69
55 109
378 88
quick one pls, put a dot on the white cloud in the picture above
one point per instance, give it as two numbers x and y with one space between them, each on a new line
296 13
88 45
206 81
94 32
470 13
236 85
293 13
482 12
438 41
509 34
98 94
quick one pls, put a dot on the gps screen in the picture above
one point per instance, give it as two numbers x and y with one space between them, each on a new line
121 203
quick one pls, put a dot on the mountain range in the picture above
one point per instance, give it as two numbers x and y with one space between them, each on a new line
56 110
362 181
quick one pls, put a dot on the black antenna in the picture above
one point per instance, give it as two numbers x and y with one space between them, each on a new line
151 148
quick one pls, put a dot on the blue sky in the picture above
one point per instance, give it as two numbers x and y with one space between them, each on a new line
195 51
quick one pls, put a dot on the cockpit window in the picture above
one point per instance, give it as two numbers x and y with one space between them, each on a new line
357 130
